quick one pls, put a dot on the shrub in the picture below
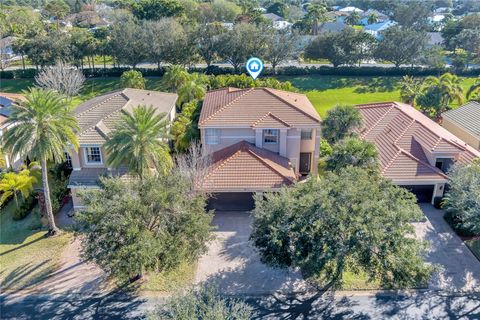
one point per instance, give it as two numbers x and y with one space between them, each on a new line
132 79
24 208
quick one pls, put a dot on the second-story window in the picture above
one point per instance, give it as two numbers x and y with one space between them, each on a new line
306 134
212 136
270 136
93 155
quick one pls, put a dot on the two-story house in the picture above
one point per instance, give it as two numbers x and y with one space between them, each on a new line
97 118
259 139
414 151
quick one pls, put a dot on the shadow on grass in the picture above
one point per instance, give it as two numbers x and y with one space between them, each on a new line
380 84
22 274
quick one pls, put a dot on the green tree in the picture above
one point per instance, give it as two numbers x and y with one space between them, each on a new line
353 18
208 39
157 9
132 79
193 89
47 49
280 47
205 302
57 9
409 89
185 128
412 13
139 143
352 220
278 8
316 14
438 93
355 152
462 200
400 45
372 18
150 225
12 183
473 92
341 122
247 6
174 78
41 128
128 43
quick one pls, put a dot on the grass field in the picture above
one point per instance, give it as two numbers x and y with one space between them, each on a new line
323 91
26 256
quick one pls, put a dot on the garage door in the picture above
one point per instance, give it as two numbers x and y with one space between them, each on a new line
231 201
424 193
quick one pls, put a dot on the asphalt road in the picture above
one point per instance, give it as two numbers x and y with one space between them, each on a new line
122 305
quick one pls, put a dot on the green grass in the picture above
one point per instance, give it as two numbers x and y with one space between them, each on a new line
170 281
26 255
323 91
474 246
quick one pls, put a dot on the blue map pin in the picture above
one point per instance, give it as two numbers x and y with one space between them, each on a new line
254 67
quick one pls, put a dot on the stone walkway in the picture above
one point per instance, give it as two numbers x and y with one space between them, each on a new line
232 262
460 268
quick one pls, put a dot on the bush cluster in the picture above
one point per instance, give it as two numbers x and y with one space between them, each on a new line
24 208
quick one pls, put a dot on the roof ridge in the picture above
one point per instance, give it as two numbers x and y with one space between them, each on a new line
408 154
390 108
252 152
288 103
406 129
271 115
223 163
227 105
393 159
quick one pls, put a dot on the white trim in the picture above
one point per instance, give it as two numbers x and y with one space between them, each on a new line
77 186
237 137
76 169
418 183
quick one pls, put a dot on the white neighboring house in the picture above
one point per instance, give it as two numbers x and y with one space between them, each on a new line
278 22
351 9
376 28
6 101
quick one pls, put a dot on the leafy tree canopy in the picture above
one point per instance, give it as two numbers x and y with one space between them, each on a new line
132 79
352 220
340 122
129 228
355 152
156 9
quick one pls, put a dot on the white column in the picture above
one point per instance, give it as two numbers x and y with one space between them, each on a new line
259 138
283 142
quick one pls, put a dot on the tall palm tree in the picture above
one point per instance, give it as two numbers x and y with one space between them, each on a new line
409 89
41 128
139 142
13 183
316 14
372 18
473 92
449 85
175 77
194 88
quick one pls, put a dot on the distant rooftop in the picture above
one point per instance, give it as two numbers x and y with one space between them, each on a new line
467 117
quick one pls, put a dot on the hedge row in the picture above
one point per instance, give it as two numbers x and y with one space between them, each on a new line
287 71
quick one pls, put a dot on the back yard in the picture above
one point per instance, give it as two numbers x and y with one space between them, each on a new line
323 91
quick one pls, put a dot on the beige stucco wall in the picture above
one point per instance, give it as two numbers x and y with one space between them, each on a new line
77 202
462 134
228 137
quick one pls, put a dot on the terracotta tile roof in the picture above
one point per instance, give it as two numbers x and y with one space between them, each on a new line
402 134
244 167
249 107
13 96
466 117
98 116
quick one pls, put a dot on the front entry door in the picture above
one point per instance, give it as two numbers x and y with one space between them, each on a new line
305 162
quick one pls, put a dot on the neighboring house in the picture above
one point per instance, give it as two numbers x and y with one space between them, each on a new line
376 28
335 26
414 151
366 15
434 39
464 122
6 50
6 101
351 9
278 22
97 118
259 139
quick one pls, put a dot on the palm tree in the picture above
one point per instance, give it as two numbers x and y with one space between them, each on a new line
139 142
409 90
316 14
353 18
175 77
372 18
41 128
449 85
473 92
194 88
13 183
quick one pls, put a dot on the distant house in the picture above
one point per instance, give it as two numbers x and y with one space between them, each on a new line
6 102
6 50
335 26
366 15
376 28
435 39
278 22
414 151
351 9
464 122
97 118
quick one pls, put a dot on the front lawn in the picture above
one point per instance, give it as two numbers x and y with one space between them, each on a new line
474 246
26 256
170 281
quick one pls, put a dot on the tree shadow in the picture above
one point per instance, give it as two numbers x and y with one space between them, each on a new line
22 273
119 304
378 84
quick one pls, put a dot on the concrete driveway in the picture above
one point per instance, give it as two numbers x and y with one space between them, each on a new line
232 262
460 270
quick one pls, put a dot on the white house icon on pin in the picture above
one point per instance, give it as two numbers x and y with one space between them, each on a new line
254 66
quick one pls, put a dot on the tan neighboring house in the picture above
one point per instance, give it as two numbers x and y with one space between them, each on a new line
464 122
97 118
6 101
414 151
259 139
